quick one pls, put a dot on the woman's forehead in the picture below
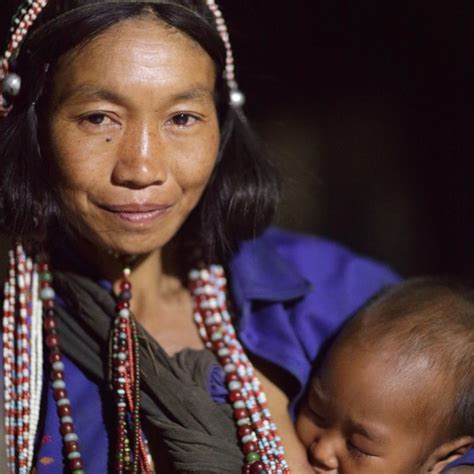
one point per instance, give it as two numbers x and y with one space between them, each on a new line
137 54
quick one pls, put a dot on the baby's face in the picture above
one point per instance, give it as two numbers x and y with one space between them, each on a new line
362 415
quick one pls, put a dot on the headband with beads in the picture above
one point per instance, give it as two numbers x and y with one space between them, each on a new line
29 11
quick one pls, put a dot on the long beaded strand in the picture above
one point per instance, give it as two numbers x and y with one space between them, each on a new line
125 375
259 438
36 358
63 404
9 372
22 360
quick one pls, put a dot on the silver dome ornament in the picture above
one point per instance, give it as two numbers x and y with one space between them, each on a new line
237 98
11 84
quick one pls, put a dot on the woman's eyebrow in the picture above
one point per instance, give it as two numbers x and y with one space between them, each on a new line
194 93
89 93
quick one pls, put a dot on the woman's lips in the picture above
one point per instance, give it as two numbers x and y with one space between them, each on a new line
137 213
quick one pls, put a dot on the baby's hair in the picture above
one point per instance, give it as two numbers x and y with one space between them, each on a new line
430 317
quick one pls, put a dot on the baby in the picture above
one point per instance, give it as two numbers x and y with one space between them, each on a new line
395 392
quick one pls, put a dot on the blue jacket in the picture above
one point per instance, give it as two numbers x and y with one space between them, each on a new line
291 292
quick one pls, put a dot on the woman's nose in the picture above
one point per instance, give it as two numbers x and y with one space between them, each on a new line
322 454
141 159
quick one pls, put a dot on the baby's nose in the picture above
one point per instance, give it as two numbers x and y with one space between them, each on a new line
322 456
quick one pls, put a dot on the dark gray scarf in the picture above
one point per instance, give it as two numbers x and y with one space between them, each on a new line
199 434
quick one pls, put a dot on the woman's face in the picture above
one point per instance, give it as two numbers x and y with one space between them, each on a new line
134 133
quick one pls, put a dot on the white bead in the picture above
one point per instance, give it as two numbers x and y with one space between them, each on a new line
234 385
239 404
237 99
229 368
243 421
223 352
124 313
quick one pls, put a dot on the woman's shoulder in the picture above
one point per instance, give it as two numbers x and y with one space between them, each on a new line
324 276
322 261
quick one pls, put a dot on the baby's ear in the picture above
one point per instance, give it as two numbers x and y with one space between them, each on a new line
448 453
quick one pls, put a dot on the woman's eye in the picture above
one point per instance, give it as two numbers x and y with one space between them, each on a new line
97 119
183 120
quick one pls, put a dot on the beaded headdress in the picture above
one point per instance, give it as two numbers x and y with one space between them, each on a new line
27 14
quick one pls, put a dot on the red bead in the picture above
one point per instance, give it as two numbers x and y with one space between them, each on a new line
240 413
49 323
48 304
232 376
64 410
235 395
257 467
245 430
218 345
249 447
59 393
125 285
52 340
57 375
225 360
212 328
66 428
121 305
75 464
54 357
71 446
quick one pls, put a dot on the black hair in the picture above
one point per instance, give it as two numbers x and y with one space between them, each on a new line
242 194
429 316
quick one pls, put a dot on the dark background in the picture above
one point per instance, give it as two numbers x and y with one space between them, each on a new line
367 106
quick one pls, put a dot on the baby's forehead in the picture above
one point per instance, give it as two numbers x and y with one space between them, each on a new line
373 379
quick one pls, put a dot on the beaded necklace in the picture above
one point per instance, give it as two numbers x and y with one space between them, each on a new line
260 443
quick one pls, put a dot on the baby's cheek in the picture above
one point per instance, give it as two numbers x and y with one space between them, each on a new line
305 429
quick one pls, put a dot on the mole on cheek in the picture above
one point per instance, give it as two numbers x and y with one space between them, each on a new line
108 139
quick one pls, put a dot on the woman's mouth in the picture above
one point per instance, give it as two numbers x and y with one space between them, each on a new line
134 213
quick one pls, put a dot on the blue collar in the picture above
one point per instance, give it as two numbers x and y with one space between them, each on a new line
259 272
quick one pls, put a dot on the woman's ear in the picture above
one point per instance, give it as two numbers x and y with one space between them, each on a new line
448 453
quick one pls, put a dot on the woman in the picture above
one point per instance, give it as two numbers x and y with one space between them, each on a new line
127 164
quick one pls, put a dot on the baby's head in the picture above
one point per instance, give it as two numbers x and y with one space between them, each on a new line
395 392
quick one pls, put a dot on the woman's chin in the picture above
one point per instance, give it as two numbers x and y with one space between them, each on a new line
130 249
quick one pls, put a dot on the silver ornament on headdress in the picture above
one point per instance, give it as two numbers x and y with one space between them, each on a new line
11 85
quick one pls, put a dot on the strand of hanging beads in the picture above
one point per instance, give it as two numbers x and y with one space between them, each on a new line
260 441
125 378
63 405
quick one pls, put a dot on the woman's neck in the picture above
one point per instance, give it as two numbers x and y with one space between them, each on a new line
154 276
